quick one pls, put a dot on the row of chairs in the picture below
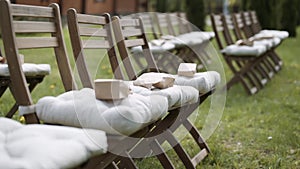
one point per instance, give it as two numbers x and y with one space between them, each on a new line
248 50
174 40
89 32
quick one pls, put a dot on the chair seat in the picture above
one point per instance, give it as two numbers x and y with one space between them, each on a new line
236 50
202 34
176 95
43 146
276 33
202 81
156 46
82 109
29 69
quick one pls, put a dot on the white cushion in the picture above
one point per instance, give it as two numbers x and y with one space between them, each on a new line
202 81
236 50
176 95
202 34
156 46
276 33
81 108
44 146
30 69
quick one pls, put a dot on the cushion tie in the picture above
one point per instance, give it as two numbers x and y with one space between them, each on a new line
24 110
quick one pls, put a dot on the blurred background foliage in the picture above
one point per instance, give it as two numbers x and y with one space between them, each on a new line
272 14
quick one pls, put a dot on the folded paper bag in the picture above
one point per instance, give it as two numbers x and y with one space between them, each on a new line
187 69
153 79
111 89
165 83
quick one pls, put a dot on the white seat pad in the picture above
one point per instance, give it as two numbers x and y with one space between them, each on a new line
276 33
236 50
81 108
156 46
202 81
43 146
177 95
30 69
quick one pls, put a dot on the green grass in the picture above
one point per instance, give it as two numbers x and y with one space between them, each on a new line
259 131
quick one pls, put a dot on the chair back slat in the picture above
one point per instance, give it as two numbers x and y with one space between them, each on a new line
36 42
33 27
132 32
129 22
90 19
91 31
31 11
134 42
95 44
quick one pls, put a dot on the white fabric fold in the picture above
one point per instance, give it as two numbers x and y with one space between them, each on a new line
44 146
30 69
82 109
236 50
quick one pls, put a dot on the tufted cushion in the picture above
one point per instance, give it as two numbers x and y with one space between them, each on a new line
29 69
81 108
202 81
176 95
236 50
156 46
43 147
276 33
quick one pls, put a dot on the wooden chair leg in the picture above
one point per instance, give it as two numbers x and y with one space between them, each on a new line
161 155
196 135
127 162
32 84
182 154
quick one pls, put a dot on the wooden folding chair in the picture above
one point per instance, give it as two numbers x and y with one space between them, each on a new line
48 21
252 28
244 61
242 32
45 33
130 33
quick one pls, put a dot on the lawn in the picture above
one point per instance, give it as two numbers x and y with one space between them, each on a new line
259 131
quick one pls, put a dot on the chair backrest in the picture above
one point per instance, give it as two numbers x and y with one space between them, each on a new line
130 33
163 24
242 25
32 27
222 29
150 27
173 23
256 27
89 33
184 24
